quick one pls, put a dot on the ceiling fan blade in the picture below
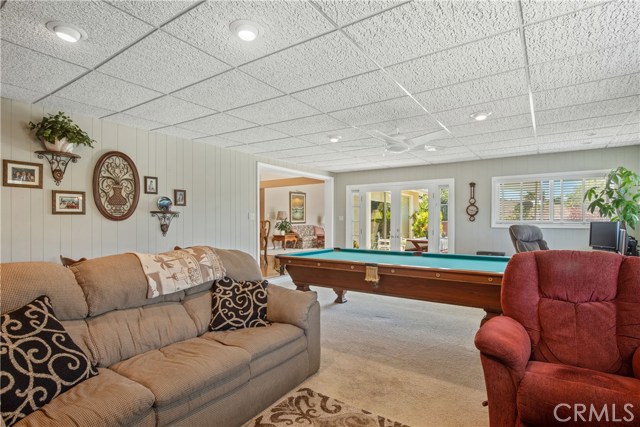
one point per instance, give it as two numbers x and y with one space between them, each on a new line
422 140
394 145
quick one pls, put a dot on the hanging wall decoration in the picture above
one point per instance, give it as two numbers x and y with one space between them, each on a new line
116 186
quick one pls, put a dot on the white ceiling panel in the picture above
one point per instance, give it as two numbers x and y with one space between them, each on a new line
134 122
274 110
19 93
55 103
346 134
422 123
594 109
443 151
360 153
45 73
282 144
625 140
602 64
169 110
492 125
162 62
308 125
351 92
218 141
257 134
571 146
374 145
505 135
344 12
449 159
506 144
283 24
509 152
180 132
100 90
591 29
616 87
508 107
423 27
480 91
228 90
584 124
538 10
152 11
322 60
216 124
319 158
312 150
483 58
579 135
380 111
248 148
109 30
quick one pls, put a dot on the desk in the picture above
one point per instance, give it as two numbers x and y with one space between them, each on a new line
467 280
284 238
420 244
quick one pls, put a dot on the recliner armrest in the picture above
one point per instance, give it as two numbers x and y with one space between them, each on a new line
636 363
505 339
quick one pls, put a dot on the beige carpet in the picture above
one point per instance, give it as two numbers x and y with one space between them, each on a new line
306 407
409 361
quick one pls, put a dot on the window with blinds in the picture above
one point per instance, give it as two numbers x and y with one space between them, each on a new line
545 199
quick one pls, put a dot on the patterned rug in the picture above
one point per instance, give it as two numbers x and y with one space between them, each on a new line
305 407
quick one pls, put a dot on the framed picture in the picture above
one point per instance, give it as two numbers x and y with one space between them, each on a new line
150 185
297 207
180 197
21 174
68 202
116 186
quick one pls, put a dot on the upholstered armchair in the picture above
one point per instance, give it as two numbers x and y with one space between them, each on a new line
527 238
569 337
307 235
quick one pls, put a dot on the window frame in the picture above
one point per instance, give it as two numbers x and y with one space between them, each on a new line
495 201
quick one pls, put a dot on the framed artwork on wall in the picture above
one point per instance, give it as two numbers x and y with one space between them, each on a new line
116 186
68 202
180 197
21 174
150 185
297 207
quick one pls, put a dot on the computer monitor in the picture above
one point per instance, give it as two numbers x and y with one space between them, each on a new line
605 236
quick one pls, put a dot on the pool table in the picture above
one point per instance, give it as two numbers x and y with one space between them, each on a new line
468 280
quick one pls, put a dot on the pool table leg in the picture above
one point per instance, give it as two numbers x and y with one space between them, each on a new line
489 315
340 296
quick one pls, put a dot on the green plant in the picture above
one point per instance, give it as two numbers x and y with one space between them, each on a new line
56 127
284 225
619 200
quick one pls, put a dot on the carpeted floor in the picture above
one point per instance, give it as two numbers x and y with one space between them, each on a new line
411 361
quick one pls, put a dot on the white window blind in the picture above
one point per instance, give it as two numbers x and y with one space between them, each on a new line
545 199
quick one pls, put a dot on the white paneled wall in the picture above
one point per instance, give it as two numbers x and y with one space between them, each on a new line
221 193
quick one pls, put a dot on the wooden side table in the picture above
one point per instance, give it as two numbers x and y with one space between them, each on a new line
284 238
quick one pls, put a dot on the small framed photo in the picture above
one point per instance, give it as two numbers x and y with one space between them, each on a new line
151 185
21 174
68 202
180 197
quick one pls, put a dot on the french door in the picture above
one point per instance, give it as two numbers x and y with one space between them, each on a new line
408 216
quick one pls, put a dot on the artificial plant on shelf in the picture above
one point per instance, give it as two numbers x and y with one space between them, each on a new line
59 133
283 225
619 200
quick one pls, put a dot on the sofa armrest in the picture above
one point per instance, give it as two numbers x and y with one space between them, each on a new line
290 306
506 340
636 363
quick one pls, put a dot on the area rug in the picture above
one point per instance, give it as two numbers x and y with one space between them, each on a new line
305 407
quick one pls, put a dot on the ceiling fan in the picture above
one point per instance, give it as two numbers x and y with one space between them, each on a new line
398 143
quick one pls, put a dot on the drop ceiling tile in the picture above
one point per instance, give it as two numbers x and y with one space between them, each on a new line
55 103
228 90
507 144
596 28
500 108
351 92
180 132
162 62
100 90
216 124
453 159
537 10
376 145
483 58
622 142
321 158
274 110
420 28
361 151
109 30
422 123
256 134
380 111
443 151
169 110
283 24
282 144
594 109
218 141
584 124
511 152
247 148
602 64
45 74
134 122
506 135
492 125
19 93
480 91
345 12
615 87
346 134
579 135
312 150
308 125
322 60
151 11
571 146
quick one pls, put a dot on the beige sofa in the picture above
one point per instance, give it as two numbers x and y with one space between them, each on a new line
158 363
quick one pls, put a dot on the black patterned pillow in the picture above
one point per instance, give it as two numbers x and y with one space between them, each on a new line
238 305
39 359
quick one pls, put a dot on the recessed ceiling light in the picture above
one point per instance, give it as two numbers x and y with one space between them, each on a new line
334 138
481 115
430 148
67 32
245 30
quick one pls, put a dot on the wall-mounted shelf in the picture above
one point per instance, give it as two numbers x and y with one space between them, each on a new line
58 162
165 218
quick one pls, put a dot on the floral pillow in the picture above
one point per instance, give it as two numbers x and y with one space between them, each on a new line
238 305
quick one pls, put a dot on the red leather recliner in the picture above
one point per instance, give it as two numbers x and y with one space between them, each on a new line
566 352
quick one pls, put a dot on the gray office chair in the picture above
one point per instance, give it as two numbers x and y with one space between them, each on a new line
527 238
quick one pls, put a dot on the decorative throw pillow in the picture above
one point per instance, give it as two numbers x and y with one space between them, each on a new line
238 305
39 359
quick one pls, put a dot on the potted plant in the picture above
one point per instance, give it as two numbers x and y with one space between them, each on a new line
619 200
284 226
59 133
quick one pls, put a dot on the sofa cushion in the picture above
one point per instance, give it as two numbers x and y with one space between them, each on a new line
268 347
105 400
39 359
237 304
565 388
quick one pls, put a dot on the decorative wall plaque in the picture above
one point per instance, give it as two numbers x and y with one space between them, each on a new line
116 187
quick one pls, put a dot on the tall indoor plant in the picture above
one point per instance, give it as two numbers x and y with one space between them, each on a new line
59 133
